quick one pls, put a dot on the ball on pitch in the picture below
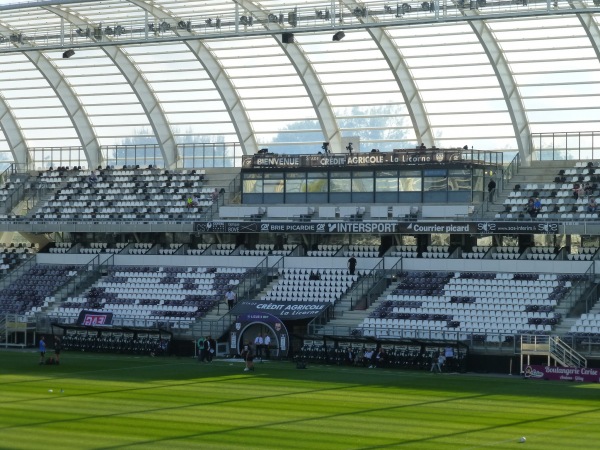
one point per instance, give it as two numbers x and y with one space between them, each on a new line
523 439
50 390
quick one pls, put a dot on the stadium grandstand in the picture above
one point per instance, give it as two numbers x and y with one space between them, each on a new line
416 176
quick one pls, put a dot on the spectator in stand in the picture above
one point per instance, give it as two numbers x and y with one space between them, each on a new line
577 191
588 189
530 208
215 195
380 358
351 265
592 205
537 206
368 358
350 355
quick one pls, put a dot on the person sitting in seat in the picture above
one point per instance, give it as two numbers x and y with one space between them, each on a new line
592 205
537 206
577 191
530 207
367 359
380 358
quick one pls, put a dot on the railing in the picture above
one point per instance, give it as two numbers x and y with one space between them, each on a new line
578 290
86 277
378 277
591 297
16 194
368 290
14 329
489 341
565 354
322 319
509 172
566 146
17 273
43 158
193 155
250 286
209 155
132 155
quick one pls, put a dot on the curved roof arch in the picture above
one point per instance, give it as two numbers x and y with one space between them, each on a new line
168 73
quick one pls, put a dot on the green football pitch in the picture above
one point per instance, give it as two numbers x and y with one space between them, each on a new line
96 401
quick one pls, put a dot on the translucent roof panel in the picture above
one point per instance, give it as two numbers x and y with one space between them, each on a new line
290 75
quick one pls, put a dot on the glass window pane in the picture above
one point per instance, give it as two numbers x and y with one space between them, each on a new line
411 184
459 180
386 184
253 186
362 184
435 184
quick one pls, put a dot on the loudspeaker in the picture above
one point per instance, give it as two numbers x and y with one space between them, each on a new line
68 53
339 36
287 38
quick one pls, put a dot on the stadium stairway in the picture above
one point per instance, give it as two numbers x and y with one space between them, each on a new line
346 319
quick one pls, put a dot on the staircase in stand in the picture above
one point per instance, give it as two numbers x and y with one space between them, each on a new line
552 347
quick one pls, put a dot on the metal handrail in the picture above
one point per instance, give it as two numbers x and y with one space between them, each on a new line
565 354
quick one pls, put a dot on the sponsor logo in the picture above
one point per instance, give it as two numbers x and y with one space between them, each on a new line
486 227
548 227
365 227
264 227
238 326
247 227
439 157
439 228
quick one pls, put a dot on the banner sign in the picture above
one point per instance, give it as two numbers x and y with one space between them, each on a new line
296 227
584 374
283 310
517 227
94 318
369 227
273 161
479 227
